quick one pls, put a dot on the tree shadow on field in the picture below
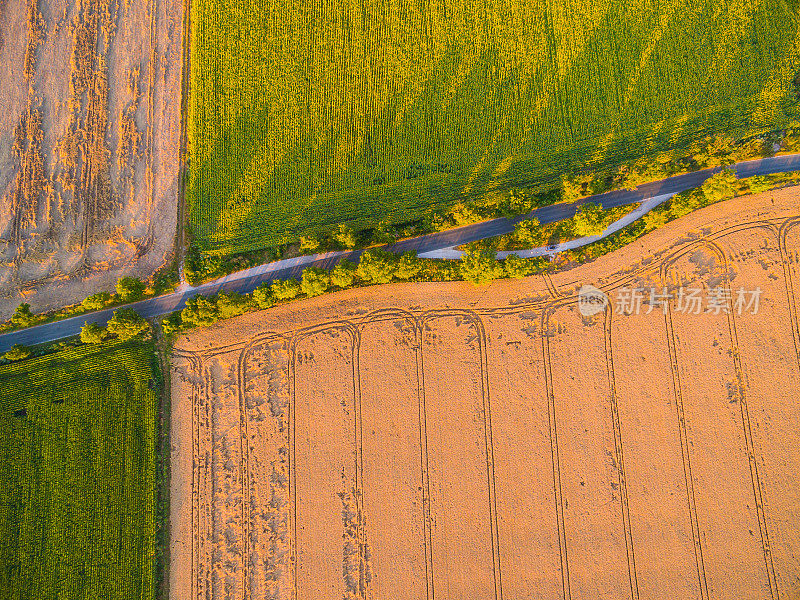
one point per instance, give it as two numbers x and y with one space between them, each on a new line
450 141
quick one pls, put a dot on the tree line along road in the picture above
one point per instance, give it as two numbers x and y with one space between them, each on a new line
248 280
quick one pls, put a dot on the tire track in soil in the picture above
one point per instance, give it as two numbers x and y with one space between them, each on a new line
349 495
758 486
600 466
453 575
770 386
623 487
558 491
718 552
389 431
790 258
753 459
691 497
528 532
267 434
200 454
228 528
195 372
660 518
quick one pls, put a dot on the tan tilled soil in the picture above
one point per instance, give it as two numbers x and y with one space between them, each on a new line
89 145
446 441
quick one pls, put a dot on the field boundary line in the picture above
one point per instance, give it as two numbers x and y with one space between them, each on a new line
554 451
623 486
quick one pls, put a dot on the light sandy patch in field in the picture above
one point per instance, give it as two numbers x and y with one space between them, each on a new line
89 141
446 441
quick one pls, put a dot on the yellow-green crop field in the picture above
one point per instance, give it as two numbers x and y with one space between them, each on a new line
77 474
311 113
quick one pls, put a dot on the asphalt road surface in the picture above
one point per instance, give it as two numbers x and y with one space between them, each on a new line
246 281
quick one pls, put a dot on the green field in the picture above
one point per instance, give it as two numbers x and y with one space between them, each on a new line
307 114
77 473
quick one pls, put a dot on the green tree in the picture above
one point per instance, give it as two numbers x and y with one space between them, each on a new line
480 266
17 352
715 151
377 266
759 184
130 289
92 333
408 266
285 289
528 233
686 202
465 213
346 237
171 323
516 202
343 274
517 267
232 304
315 281
199 266
262 296
655 219
383 233
22 317
571 190
720 186
96 301
200 311
589 220
126 324
309 243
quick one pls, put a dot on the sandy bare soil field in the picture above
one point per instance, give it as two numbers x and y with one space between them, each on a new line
89 140
445 441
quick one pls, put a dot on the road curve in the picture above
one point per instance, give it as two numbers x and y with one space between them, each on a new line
249 279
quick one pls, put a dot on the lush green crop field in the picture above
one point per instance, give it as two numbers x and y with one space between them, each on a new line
77 474
306 114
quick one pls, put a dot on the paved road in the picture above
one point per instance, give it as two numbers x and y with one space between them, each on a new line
248 280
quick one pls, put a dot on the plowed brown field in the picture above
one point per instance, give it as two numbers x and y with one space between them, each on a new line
90 94
424 441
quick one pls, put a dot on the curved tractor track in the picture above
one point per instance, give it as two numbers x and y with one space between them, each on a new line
249 279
